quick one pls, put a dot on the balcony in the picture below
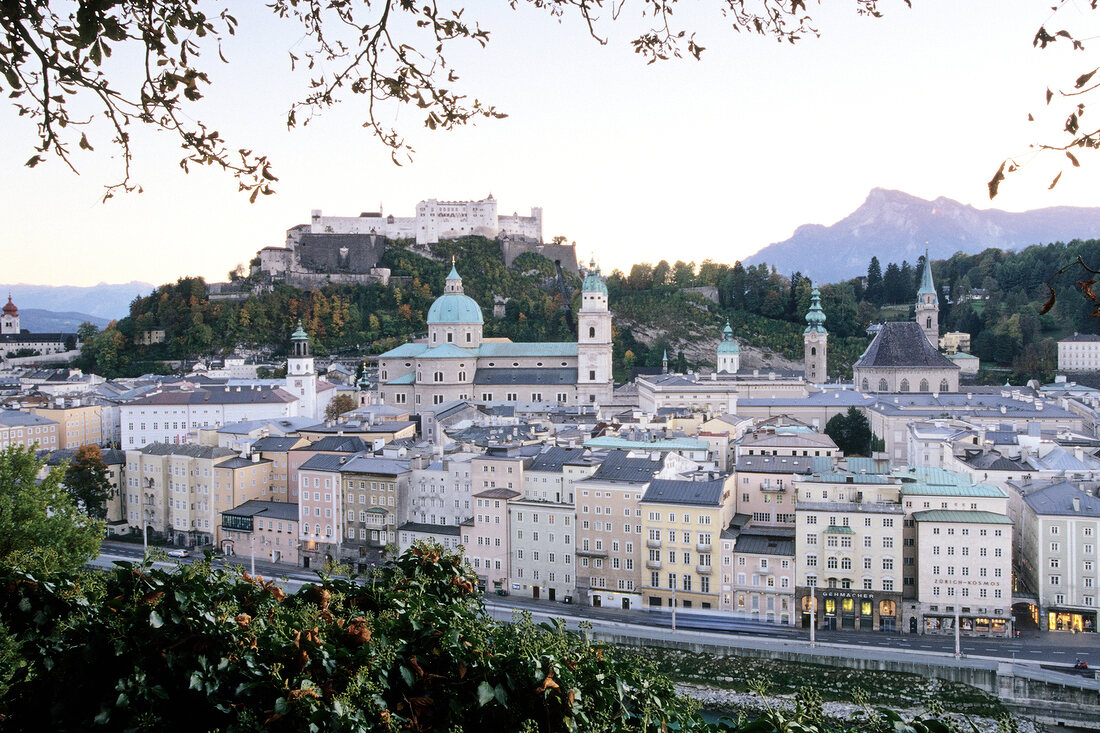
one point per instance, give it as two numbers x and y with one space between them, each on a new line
704 548
653 564
772 488
653 544
704 569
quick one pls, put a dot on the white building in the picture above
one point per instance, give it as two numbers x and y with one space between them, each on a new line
170 416
1079 353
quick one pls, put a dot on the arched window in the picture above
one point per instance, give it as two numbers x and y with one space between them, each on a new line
591 332
904 386
944 386
924 385
813 351
866 387
882 386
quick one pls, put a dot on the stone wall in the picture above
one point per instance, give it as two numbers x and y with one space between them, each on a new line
566 254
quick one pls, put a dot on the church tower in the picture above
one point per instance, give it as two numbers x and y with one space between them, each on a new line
729 353
301 378
815 338
928 305
594 379
9 320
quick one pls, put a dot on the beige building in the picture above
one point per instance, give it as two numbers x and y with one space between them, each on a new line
28 431
374 497
964 572
901 359
953 342
265 530
77 425
758 574
764 486
848 538
486 538
684 520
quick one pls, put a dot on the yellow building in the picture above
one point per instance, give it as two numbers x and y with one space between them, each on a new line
76 425
683 525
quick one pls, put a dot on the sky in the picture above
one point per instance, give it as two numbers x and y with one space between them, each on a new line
692 160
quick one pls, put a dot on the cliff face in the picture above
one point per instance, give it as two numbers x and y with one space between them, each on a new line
895 226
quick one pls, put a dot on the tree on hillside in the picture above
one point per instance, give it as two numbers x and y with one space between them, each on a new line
40 524
340 404
873 291
851 432
87 482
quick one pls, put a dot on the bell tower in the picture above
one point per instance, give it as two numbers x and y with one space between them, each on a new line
301 378
595 384
816 342
928 305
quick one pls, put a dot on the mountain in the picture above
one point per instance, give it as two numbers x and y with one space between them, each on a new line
895 226
102 301
37 320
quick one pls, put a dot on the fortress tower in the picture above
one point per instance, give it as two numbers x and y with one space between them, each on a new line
815 339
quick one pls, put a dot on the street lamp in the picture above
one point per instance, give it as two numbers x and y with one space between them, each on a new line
958 648
813 618
674 605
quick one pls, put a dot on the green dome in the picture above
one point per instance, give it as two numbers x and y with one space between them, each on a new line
728 345
299 334
815 318
593 283
454 308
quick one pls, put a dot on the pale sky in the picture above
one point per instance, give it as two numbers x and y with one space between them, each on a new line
682 160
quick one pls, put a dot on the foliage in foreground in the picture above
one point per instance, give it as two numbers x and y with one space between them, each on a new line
411 649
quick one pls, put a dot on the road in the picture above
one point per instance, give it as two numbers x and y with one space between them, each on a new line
1056 651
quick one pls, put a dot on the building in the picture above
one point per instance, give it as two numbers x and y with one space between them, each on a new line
77 424
320 509
683 521
1059 530
13 338
953 342
1079 353
902 359
815 342
28 431
267 530
169 416
758 573
375 500
455 362
729 353
439 493
764 486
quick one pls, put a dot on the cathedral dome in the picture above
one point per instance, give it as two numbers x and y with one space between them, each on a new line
453 306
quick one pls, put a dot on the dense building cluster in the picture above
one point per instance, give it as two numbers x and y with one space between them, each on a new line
714 493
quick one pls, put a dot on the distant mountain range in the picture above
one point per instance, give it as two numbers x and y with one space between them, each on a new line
101 302
37 320
895 226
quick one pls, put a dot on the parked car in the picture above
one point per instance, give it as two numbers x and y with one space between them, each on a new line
179 553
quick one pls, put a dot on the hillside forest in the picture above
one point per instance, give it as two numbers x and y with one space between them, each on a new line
995 296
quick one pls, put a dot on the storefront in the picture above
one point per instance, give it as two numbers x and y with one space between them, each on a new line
968 625
849 610
1070 620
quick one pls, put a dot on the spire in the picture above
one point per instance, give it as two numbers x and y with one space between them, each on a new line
454 281
926 286
727 332
815 318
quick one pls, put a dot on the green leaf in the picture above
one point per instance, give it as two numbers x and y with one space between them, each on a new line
485 693
407 675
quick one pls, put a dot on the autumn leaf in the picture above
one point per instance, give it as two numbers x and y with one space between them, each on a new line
1050 303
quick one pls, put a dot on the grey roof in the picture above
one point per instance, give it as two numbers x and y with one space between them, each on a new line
189 450
325 462
903 344
775 464
619 467
1082 337
339 444
274 444
1057 499
110 457
216 396
423 528
269 509
239 462
552 460
522 375
34 338
370 464
17 418
696 493
994 462
765 542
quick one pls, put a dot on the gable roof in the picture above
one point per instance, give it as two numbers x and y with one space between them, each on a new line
695 493
903 344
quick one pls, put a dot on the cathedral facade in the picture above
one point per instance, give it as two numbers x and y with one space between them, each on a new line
456 362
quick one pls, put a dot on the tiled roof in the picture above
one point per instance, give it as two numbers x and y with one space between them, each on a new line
552 460
775 464
497 493
969 491
239 462
619 467
668 444
961 516
338 444
189 450
278 510
903 344
274 444
374 465
696 493
16 418
423 528
751 543
1057 499
215 396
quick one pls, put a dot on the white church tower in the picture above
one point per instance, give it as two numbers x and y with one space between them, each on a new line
729 353
9 319
301 377
595 384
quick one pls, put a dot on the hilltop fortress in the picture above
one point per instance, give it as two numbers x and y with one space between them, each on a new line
348 249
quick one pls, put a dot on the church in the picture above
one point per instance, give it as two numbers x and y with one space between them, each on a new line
904 355
14 339
456 362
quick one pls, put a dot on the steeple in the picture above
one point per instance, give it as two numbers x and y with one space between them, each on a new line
729 353
454 281
928 305
815 342
664 362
